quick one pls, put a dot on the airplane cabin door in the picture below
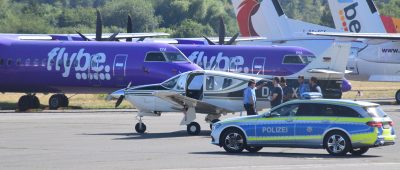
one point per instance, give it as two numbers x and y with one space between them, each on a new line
258 65
119 69
194 86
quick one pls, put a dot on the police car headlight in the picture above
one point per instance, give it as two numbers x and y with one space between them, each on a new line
216 126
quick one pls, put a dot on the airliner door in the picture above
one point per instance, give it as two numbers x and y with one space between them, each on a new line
194 86
258 65
352 62
119 69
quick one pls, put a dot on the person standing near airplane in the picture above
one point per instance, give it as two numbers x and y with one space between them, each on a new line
303 86
287 91
277 93
314 87
249 97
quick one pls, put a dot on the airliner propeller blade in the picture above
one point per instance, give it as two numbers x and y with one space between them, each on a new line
83 36
209 41
233 39
99 26
129 28
221 31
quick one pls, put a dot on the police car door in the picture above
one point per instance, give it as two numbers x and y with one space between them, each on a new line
277 127
312 121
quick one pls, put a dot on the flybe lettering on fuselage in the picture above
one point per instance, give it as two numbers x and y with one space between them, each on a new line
348 17
86 66
219 62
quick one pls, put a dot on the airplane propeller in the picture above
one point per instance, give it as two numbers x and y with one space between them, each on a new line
122 97
99 31
221 35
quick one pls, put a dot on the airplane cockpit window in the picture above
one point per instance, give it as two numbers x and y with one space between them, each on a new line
217 83
176 83
171 83
293 59
308 59
155 57
175 57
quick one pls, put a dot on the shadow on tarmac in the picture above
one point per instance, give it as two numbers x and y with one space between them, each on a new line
133 136
284 155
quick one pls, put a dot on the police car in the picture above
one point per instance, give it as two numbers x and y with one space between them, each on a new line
339 126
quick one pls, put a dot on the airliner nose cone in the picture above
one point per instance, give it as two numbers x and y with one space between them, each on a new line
118 93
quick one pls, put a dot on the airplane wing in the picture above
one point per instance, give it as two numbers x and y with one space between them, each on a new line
371 37
181 100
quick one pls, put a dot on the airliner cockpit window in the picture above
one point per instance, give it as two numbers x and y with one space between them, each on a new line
175 57
155 57
293 59
308 59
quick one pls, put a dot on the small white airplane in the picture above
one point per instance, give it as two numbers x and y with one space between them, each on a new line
214 93
373 56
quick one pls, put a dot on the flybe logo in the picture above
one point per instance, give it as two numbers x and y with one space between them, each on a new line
219 62
85 65
348 17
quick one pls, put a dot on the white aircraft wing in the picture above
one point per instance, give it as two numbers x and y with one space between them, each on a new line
181 100
371 38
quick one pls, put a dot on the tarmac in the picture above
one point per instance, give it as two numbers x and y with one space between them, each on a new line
105 139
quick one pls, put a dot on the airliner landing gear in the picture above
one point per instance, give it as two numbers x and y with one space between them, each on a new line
398 96
193 128
58 100
140 127
27 102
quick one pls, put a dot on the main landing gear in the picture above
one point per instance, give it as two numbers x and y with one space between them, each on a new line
27 102
58 100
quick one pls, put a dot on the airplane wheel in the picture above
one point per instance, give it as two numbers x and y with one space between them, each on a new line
214 121
193 128
35 102
24 103
58 100
398 96
140 128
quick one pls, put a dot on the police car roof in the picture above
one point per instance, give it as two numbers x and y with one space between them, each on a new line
336 102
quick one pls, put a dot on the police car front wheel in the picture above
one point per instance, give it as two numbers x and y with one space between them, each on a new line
233 141
337 143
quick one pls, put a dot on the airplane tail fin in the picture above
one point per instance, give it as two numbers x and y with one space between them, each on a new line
356 16
331 63
261 18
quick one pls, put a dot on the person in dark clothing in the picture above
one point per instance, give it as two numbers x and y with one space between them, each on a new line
277 93
314 87
287 91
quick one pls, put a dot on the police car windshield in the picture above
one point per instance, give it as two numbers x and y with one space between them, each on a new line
375 112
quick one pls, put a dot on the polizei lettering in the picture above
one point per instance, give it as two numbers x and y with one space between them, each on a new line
349 13
275 130
85 65
219 62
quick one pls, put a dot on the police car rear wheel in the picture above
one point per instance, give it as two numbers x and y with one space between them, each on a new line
253 149
337 143
359 151
233 141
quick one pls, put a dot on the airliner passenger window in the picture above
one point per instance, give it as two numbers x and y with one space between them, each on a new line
175 57
18 62
155 57
1 61
293 59
9 61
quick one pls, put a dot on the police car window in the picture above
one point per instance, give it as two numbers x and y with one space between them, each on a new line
343 111
217 83
286 110
305 109
293 59
175 57
375 112
155 56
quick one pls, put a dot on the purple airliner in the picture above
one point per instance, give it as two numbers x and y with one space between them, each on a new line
83 67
